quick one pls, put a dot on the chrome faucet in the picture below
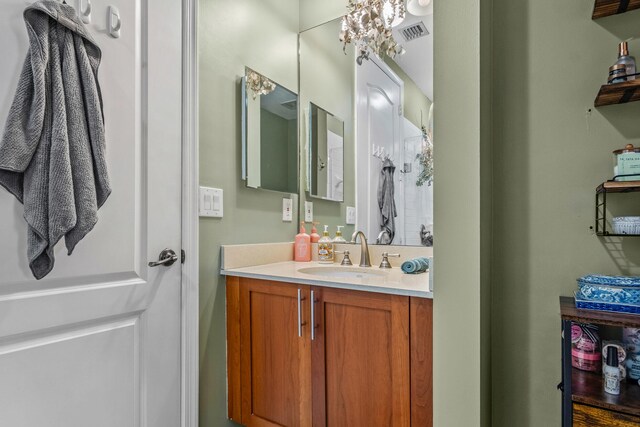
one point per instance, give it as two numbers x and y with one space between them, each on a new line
364 248
382 233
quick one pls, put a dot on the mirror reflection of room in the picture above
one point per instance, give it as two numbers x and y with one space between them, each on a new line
270 134
326 166
386 92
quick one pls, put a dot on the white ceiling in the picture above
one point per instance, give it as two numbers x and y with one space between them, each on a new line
417 62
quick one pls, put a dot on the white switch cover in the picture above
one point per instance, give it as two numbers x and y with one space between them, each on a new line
308 211
351 215
211 202
287 210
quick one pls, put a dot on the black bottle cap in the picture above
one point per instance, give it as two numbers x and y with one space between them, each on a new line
612 356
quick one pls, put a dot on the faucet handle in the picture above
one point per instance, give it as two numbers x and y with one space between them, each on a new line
346 260
385 259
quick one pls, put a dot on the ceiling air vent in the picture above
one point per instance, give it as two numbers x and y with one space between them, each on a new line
414 31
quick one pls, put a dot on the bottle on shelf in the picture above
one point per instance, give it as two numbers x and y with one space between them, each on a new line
611 370
627 60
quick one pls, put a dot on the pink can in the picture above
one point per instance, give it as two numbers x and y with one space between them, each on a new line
585 360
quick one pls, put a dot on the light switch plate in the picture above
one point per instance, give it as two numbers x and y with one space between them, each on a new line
308 211
351 215
287 210
211 202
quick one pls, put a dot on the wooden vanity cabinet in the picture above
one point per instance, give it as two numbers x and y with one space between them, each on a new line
360 359
268 353
337 358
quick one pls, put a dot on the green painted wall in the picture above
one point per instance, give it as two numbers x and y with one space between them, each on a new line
415 102
261 34
314 12
550 152
462 206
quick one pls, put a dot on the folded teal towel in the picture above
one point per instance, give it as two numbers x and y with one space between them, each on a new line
415 266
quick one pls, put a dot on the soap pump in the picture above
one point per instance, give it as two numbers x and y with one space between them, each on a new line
314 233
325 247
302 245
339 238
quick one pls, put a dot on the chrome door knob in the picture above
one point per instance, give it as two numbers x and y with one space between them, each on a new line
167 257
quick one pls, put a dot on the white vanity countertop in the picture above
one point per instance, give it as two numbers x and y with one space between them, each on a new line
392 281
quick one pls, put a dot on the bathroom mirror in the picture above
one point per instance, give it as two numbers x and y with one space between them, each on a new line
269 134
387 109
325 173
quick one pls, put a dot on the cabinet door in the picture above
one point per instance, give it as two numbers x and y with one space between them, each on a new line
360 359
275 354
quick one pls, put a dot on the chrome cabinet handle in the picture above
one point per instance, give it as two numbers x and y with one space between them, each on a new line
167 257
313 316
300 322
299 313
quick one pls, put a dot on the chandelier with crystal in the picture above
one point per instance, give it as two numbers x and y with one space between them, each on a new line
258 84
368 26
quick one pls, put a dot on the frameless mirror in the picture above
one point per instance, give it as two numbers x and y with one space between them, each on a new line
326 155
387 107
269 134
326 77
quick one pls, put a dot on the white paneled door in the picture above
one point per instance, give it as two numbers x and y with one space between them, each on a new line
97 343
378 114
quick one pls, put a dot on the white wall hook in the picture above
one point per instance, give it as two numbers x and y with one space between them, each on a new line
114 22
84 10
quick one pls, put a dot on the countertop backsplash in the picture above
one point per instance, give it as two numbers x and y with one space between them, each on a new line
239 256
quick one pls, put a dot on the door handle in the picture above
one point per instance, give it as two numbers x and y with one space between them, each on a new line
167 257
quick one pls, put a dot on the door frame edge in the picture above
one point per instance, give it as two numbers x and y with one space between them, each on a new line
190 219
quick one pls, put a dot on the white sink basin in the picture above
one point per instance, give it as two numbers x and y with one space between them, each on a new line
346 272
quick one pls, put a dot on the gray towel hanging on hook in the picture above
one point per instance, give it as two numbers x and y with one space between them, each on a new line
386 201
52 152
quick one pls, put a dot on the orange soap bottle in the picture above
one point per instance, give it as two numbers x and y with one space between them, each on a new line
314 233
302 246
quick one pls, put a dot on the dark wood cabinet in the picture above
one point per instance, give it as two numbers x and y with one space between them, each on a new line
590 416
584 402
325 357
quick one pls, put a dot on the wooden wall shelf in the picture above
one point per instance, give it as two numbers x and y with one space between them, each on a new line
604 8
618 93
601 204
568 311
587 388
618 187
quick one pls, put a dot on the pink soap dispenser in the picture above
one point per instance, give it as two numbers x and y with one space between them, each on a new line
302 246
314 233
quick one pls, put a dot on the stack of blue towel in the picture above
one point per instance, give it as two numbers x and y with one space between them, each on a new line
415 266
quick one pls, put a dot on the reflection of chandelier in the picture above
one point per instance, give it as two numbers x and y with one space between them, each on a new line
368 25
258 84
